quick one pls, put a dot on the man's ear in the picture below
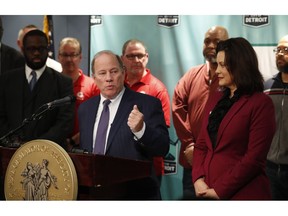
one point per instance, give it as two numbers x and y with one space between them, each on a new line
124 68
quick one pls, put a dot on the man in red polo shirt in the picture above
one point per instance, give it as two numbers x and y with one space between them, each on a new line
84 87
139 78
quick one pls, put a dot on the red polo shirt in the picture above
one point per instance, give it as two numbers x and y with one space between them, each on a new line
84 88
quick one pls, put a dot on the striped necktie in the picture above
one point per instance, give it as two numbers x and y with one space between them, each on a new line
33 80
102 129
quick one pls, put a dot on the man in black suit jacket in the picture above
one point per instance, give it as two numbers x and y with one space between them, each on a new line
18 102
137 128
10 58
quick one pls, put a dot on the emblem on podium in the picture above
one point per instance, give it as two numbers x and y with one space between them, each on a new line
40 170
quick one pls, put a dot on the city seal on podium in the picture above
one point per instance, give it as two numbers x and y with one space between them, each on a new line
40 170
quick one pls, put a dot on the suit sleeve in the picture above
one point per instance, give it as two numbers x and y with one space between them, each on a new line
155 140
261 131
3 118
200 149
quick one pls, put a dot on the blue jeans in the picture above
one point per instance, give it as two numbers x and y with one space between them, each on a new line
188 187
278 182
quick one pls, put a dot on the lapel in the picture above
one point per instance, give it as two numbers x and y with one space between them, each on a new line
21 86
90 121
228 117
42 88
124 109
44 83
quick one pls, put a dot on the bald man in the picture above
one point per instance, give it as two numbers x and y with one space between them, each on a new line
189 99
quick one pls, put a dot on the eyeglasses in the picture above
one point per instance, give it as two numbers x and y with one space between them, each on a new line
139 56
33 49
73 55
283 50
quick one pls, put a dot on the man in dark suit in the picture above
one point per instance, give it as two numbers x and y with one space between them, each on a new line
19 102
10 58
136 128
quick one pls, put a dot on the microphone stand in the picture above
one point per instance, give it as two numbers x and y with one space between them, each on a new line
7 140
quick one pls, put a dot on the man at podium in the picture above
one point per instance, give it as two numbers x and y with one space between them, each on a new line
122 123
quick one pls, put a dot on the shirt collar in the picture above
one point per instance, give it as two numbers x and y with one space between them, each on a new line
39 72
119 96
145 79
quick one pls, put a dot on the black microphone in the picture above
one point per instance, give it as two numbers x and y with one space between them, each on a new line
64 101
79 151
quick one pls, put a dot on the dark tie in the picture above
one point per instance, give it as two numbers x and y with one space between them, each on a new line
102 129
33 80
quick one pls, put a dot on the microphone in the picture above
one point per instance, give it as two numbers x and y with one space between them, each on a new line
64 101
79 151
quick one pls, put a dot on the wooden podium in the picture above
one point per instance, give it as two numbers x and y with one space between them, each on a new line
99 177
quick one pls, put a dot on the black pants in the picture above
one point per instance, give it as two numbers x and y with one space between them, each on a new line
188 187
278 175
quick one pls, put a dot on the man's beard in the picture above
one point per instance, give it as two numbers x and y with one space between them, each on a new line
210 59
283 68
35 65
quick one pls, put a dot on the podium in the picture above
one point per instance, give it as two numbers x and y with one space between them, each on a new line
103 177
100 177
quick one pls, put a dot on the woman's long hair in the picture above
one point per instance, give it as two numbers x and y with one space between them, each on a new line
242 63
